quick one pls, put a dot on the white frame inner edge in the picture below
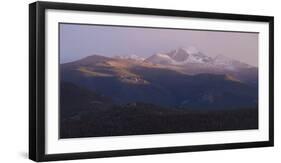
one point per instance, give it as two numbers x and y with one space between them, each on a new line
55 145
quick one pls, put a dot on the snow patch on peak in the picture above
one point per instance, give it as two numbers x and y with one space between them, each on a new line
162 55
131 57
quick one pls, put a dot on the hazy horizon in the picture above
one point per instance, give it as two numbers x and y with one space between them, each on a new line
78 41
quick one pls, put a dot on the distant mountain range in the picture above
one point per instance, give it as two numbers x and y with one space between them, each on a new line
183 78
191 55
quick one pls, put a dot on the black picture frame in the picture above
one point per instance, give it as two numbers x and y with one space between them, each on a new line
37 78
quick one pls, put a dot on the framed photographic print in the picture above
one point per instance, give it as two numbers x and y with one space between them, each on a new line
118 81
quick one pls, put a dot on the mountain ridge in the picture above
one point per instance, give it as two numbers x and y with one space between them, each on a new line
182 56
184 60
132 81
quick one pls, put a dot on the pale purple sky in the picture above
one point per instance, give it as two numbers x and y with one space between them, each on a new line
78 41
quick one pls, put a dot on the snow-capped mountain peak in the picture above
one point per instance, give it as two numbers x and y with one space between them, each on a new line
160 58
190 55
178 55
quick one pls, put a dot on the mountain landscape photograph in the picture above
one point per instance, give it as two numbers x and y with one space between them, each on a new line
120 80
